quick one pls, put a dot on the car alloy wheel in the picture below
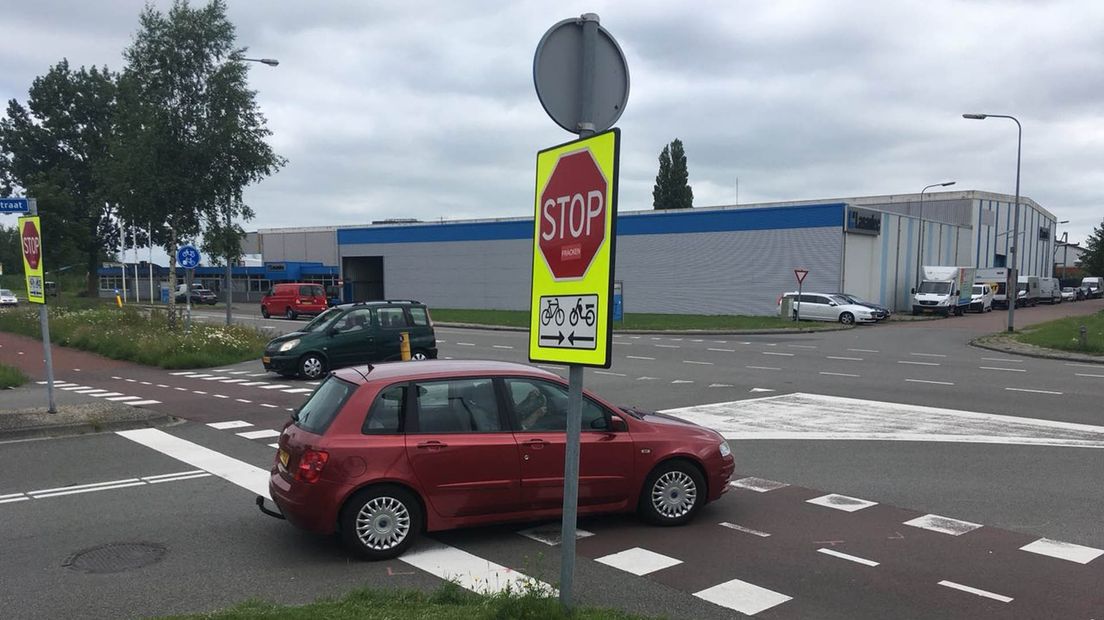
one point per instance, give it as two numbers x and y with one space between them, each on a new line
419 356
672 494
847 318
312 366
289 314
381 522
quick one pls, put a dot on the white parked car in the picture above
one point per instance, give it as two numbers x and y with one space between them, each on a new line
8 298
827 307
981 298
1070 294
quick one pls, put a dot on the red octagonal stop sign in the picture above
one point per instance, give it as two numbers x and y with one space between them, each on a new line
32 244
573 215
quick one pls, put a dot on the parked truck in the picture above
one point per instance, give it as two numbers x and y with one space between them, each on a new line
943 290
1027 291
1050 291
996 278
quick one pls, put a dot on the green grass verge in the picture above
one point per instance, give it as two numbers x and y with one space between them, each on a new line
10 377
128 334
449 602
1065 334
658 322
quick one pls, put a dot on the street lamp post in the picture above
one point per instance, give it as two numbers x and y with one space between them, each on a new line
1011 292
272 62
1064 243
920 244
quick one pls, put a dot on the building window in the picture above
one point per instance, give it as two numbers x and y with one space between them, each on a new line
999 260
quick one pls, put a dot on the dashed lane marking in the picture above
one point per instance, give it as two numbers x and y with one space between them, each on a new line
639 357
297 390
199 392
762 367
137 403
612 374
1051 392
1079 374
261 434
844 358
233 381
242 400
746 598
746 530
177 374
466 344
699 363
268 406
721 350
162 385
943 525
258 374
838 374
759 485
667 346
958 586
918 363
1002 359
197 376
108 394
229 424
131 380
124 398
253 383
145 383
928 354
1083 365
844 556
865 350
932 382
801 346
1004 369
646 378
1063 550
501 346
274 386
681 381
89 391
841 502
237 372
720 385
777 353
638 561
220 396
180 389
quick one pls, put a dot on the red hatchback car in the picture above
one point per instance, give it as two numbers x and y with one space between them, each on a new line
382 453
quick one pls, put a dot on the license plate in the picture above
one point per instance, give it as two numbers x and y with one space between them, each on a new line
266 359
284 457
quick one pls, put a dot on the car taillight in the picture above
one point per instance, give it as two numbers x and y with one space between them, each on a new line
310 465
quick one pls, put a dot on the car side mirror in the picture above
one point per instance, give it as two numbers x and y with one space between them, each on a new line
617 425
832 303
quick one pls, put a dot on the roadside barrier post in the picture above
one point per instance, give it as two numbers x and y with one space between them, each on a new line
404 346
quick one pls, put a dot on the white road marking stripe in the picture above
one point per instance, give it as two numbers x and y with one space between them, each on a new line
183 373
262 434
137 403
242 400
466 344
646 378
104 488
667 346
258 374
470 571
297 390
180 389
746 530
114 377
759 485
237 372
505 346
865 350
1004 369
74 387
253 383
233 381
958 586
91 485
1078 374
274 386
179 478
699 363
721 350
11 495
801 346
638 561
1063 550
777 353
681 381
314 383
1002 359
639 357
273 445
1011 389
746 598
173 475
268 405
838 374
844 556
145 383
606 372
932 382
220 396
199 392
238 472
230 424
943 525
194 376
14 499
108 394
1084 365
89 391
124 398
849 359
762 367
214 378
928 354
918 363
720 385
162 385
754 390
841 502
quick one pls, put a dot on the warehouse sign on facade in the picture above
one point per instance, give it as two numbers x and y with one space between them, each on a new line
573 238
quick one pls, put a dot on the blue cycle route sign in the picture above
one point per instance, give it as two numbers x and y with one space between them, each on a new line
14 205
187 256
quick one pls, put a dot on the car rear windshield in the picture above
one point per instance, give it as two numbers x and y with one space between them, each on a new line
321 408
312 291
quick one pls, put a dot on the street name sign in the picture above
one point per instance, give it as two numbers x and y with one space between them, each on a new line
14 205
30 243
573 249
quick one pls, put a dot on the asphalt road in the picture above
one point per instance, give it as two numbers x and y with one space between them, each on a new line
901 448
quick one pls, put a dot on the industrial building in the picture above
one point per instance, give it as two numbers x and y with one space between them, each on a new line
716 260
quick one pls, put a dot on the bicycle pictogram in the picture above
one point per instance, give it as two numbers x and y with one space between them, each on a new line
553 311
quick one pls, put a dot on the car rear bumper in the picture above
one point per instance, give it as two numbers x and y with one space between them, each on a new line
311 507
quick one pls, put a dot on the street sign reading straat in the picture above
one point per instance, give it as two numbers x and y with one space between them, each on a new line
30 243
573 238
14 205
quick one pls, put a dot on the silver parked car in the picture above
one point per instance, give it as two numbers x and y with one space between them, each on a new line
827 307
8 298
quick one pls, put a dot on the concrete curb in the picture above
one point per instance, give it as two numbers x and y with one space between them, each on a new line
50 431
684 332
1027 350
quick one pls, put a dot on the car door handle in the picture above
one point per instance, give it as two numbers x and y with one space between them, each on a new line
536 444
432 445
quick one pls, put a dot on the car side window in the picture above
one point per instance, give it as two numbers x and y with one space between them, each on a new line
386 415
542 406
391 317
420 316
458 406
354 320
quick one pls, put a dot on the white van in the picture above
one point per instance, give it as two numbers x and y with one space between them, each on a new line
1050 290
1094 286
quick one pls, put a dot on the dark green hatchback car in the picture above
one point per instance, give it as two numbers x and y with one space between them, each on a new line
369 331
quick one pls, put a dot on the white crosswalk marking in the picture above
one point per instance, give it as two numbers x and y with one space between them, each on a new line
746 598
136 403
638 561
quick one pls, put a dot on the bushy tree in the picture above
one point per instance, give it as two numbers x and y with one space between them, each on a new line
55 149
672 189
1092 259
191 136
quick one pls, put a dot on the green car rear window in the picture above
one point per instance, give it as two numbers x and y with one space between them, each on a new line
420 316
321 408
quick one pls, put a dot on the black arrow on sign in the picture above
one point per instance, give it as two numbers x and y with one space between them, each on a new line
573 338
559 338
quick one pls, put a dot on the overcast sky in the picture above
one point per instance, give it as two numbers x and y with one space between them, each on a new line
427 110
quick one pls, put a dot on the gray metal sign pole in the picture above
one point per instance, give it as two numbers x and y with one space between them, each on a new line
575 371
44 325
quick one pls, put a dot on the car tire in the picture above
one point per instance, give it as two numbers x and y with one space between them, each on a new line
418 356
264 312
847 318
290 314
672 494
312 366
380 523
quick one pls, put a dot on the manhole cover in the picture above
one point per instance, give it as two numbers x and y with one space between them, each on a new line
115 557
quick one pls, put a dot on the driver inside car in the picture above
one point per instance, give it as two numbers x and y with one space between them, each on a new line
536 413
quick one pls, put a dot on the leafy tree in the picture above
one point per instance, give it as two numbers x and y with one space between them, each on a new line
191 136
11 256
672 190
1092 259
55 149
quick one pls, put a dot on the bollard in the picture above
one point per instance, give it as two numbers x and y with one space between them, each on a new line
404 346
118 300
1084 337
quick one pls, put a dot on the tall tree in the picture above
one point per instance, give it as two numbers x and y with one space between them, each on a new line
1092 259
191 136
672 190
55 149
